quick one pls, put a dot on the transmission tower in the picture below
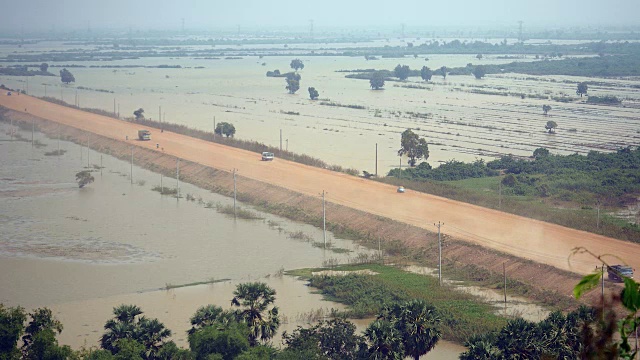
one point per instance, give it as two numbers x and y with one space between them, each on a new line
520 38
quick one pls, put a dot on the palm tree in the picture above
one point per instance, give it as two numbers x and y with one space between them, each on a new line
126 313
385 341
151 333
418 323
255 299
209 315
115 330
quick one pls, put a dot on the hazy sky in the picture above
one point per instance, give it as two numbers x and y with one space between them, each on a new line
167 14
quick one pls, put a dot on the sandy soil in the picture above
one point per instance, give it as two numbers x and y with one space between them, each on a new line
531 239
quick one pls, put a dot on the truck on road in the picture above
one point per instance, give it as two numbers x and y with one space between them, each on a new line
144 135
619 272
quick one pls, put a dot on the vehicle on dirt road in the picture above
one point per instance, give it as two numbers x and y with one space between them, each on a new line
144 135
267 156
619 272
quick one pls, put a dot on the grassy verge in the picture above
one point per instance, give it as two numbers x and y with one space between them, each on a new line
484 192
463 315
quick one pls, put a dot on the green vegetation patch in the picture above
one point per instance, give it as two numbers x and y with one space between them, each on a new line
366 295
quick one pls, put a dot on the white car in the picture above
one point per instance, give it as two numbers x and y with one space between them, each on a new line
267 156
401 189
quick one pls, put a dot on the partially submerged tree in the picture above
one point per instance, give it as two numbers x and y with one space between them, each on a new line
551 126
426 73
402 71
582 89
293 83
225 128
84 177
444 72
139 114
479 56
413 146
313 93
377 80
297 64
546 109
66 76
44 67
479 72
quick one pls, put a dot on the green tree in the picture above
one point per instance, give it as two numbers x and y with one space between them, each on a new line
151 333
385 341
413 146
293 83
84 177
551 126
44 67
402 72
479 72
540 152
377 80
128 327
210 315
129 349
228 341
225 128
44 346
479 56
254 300
313 93
417 323
426 73
546 109
139 114
297 64
170 351
582 89
66 76
11 329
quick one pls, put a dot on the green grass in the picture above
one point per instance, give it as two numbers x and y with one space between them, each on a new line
210 281
463 315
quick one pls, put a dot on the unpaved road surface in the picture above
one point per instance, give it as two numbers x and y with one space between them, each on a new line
539 241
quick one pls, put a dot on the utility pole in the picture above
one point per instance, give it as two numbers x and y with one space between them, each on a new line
598 218
178 179
160 115
214 128
324 219
27 85
45 90
520 39
438 225
287 149
88 150
61 98
114 106
500 195
101 165
59 142
161 186
504 275
33 130
234 193
281 140
376 159
131 164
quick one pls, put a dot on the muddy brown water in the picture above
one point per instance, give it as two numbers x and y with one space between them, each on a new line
83 251
457 123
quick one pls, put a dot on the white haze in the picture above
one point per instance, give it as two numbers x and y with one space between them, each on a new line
81 15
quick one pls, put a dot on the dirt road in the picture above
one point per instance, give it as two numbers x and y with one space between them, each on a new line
539 241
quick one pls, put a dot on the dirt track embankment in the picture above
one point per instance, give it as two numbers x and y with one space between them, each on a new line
543 282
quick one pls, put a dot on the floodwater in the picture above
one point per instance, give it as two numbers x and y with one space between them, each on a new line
514 307
458 120
82 252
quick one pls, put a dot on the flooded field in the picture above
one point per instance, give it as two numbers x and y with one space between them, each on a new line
83 251
461 117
